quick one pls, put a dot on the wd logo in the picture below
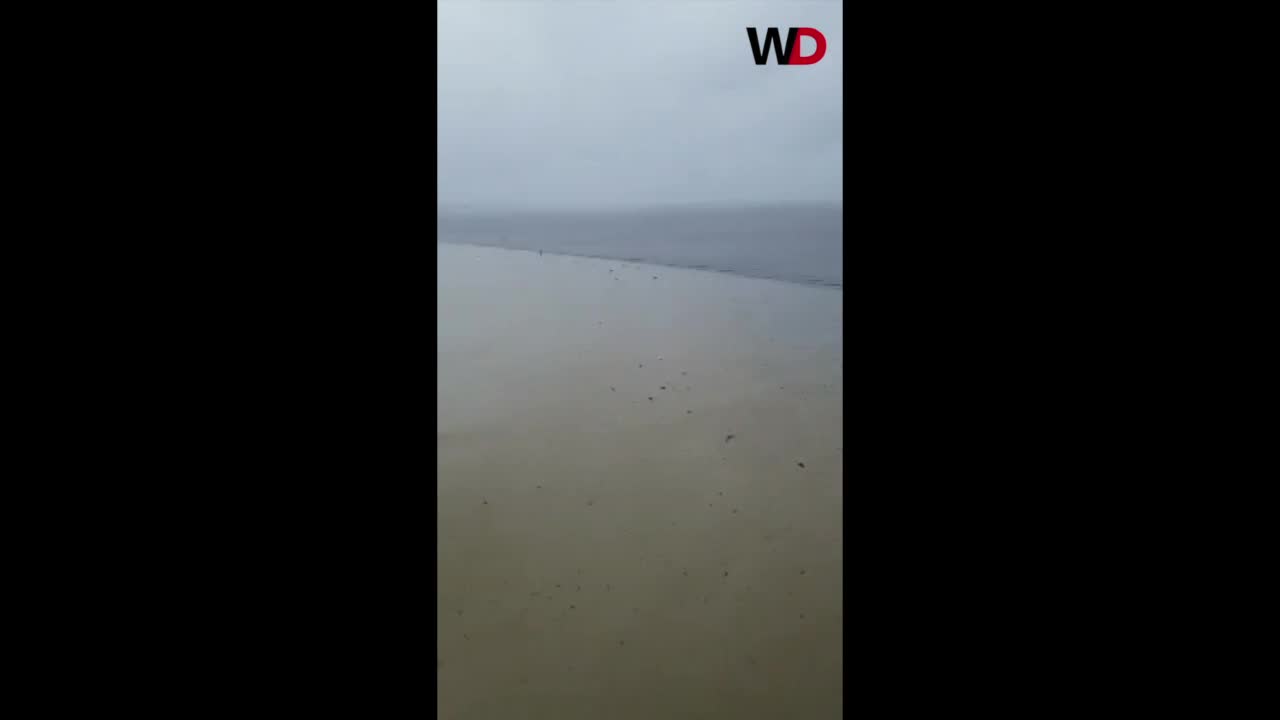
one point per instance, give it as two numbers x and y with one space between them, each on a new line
790 53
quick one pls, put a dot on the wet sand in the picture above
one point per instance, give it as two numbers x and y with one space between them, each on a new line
605 549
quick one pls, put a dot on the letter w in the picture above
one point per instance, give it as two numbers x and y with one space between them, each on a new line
771 39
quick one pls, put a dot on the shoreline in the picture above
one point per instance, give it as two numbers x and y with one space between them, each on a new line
825 284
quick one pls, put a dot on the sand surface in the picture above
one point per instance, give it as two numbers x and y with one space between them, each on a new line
606 555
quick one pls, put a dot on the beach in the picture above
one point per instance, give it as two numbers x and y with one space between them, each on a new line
640 478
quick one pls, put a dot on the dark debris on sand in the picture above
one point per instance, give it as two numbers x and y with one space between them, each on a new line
729 437
800 464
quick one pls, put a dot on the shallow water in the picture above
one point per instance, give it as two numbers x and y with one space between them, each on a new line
795 244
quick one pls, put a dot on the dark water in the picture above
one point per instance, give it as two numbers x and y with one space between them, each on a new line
795 244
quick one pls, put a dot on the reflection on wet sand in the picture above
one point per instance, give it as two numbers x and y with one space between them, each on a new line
639 492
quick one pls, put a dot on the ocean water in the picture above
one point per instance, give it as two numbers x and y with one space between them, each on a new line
793 244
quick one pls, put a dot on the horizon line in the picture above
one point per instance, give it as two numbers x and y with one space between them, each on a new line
460 208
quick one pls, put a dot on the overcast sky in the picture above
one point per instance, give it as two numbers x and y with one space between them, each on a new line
564 104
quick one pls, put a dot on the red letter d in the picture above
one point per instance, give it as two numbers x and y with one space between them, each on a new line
798 59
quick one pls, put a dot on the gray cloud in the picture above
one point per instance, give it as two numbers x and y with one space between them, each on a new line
562 104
